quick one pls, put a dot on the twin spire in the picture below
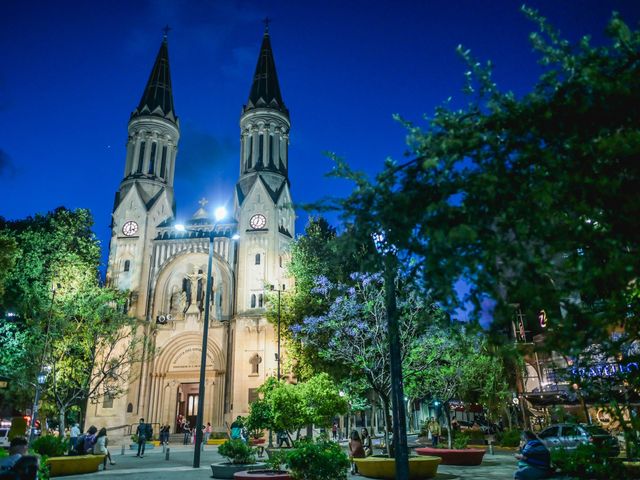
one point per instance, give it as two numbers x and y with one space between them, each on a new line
265 90
157 99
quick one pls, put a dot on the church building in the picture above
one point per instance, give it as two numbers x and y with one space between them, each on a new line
165 269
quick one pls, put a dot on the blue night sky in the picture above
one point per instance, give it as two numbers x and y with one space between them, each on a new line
72 72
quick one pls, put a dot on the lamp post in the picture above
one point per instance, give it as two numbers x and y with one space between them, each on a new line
220 213
273 288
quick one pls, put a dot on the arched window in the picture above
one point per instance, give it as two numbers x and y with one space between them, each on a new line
261 149
140 157
253 300
257 259
280 260
127 265
250 152
163 162
152 159
130 408
260 300
220 297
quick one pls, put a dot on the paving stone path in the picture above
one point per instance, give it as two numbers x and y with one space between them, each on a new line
179 466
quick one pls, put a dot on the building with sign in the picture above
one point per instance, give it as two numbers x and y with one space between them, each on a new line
165 269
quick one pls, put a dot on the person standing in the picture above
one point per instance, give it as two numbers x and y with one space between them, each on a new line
74 433
356 450
100 448
141 432
236 429
435 430
207 432
334 431
187 433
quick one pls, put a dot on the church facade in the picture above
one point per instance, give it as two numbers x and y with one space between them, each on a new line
165 269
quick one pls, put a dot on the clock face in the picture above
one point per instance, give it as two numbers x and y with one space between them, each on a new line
258 221
130 228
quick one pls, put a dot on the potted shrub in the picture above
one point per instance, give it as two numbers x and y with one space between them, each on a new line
317 460
273 472
458 455
240 457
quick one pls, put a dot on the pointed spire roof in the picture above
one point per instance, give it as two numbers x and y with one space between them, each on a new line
157 98
265 90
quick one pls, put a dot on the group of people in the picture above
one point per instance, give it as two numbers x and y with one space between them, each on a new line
93 442
190 433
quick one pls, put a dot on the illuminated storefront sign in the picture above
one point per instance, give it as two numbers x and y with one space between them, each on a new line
604 370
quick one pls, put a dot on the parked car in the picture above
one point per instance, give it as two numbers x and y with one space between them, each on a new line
570 435
4 437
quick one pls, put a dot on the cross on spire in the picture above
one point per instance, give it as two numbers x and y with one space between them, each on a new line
266 21
166 30
203 202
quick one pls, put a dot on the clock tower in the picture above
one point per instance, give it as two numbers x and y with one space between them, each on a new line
145 197
264 215
263 206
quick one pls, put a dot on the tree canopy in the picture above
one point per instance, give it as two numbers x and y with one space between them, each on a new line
531 200
57 315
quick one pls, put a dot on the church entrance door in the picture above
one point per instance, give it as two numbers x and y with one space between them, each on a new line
187 405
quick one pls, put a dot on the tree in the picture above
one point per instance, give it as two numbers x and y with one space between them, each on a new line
530 200
94 344
462 369
320 252
44 244
353 333
290 407
62 316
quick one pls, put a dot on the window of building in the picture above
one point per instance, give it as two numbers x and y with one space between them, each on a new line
255 362
260 300
280 260
192 405
127 265
163 161
260 148
141 157
130 408
253 300
250 151
253 395
152 159
257 259
107 401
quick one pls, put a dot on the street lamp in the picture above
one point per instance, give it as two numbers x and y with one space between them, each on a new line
220 213
273 288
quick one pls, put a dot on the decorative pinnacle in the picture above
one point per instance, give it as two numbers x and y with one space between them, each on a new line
203 202
266 21
166 31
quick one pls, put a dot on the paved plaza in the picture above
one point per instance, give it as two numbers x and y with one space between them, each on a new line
179 466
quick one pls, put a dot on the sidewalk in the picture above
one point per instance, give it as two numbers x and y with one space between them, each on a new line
153 466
